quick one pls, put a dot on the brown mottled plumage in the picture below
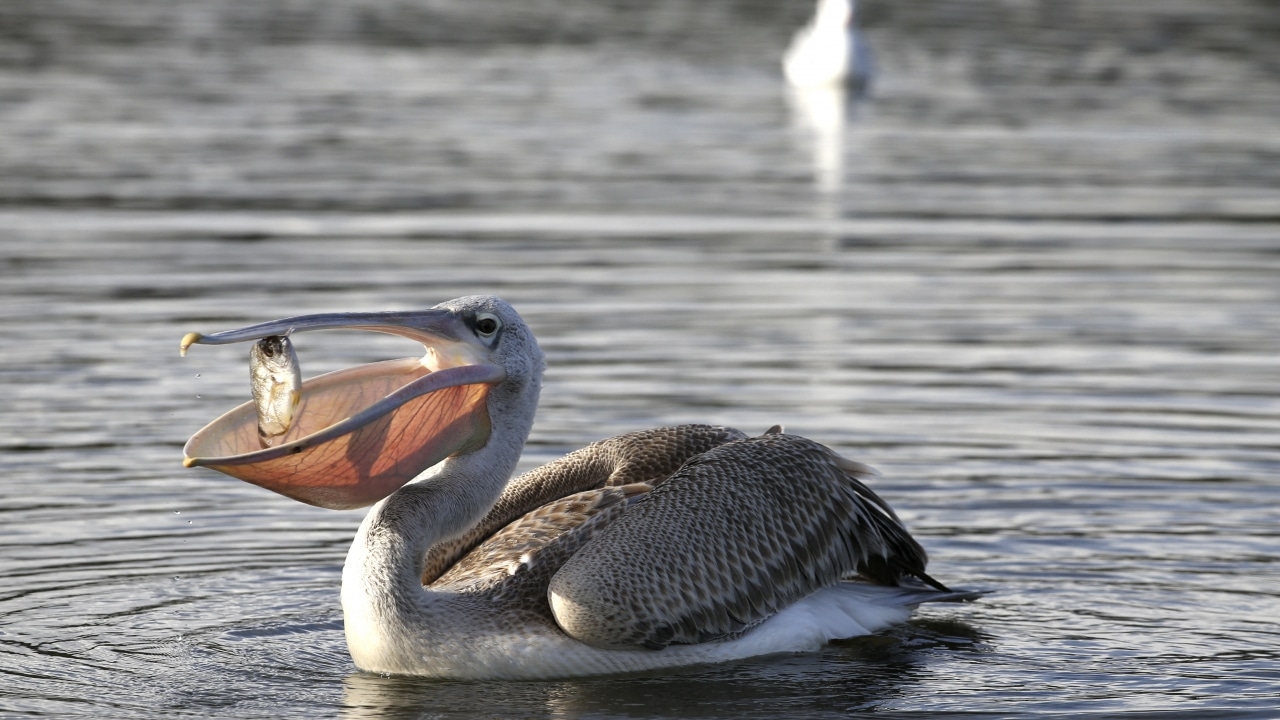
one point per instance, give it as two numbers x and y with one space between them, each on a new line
529 541
738 533
514 566
647 456
683 535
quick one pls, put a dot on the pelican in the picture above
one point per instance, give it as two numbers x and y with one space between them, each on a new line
829 51
655 549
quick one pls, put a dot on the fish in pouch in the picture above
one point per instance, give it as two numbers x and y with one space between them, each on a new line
276 381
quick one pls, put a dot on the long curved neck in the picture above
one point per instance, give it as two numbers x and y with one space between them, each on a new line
391 545
383 600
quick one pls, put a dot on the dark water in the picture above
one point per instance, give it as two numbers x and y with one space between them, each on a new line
1033 279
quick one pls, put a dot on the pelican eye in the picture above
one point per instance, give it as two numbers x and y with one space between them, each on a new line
487 325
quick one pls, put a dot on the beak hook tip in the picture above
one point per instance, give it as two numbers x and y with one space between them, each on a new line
187 341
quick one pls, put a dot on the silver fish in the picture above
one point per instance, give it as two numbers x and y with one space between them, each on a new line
276 381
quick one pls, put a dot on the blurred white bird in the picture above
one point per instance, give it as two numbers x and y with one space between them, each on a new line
829 50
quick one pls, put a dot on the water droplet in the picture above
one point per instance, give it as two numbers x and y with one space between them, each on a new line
197 374
177 512
199 397
188 522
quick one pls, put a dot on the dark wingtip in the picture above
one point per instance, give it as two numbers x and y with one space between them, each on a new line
960 595
930 581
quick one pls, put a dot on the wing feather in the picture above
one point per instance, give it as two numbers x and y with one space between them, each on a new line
537 544
646 456
737 534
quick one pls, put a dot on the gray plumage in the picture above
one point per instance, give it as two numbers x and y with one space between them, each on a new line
737 534
677 535
647 456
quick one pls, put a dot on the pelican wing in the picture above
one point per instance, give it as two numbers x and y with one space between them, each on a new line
527 552
735 535
646 456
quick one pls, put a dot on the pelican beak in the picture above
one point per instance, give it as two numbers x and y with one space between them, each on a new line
361 433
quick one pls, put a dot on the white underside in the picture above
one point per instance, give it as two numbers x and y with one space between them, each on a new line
454 647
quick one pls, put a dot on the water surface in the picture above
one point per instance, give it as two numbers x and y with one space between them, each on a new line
1032 279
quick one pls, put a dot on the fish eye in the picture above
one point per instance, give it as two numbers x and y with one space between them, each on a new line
487 325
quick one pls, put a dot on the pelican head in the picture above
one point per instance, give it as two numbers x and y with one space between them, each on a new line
363 432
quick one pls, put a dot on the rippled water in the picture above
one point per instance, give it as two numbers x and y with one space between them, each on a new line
1033 279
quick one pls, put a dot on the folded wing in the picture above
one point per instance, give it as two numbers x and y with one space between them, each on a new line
738 533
